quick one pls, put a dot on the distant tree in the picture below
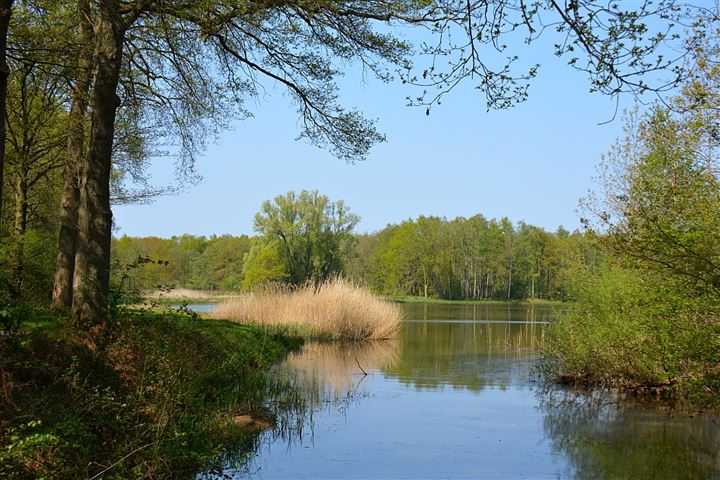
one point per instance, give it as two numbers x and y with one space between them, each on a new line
225 257
311 234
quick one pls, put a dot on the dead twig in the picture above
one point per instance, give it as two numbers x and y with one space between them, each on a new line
361 368
123 458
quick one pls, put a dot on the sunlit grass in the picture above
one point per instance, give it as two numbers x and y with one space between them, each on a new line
337 310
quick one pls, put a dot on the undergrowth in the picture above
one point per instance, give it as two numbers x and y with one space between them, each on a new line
153 402
631 332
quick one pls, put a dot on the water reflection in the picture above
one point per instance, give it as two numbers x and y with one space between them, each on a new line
495 312
454 397
603 436
338 369
466 355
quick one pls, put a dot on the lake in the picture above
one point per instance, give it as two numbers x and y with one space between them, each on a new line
456 395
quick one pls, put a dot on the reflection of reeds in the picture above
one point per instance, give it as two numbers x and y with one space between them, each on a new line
322 374
335 366
336 309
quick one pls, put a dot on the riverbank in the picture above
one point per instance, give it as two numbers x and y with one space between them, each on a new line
484 301
183 295
156 396
179 296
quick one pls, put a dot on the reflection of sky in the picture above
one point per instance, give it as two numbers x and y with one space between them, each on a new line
398 431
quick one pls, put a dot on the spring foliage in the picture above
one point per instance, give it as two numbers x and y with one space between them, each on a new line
650 317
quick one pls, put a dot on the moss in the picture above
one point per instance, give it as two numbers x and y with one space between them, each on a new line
150 403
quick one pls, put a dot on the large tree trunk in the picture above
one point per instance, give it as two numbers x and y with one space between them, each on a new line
70 201
5 11
92 261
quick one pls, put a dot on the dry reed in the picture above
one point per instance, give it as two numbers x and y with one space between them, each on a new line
337 309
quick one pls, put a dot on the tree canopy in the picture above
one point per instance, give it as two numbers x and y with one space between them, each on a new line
310 234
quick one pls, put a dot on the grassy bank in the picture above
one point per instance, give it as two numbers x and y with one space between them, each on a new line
442 301
335 310
156 400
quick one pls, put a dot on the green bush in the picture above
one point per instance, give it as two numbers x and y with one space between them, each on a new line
630 330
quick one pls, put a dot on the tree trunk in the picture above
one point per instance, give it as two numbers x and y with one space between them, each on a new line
70 201
92 261
5 12
21 210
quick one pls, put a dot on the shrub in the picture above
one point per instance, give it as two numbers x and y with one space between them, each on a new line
630 330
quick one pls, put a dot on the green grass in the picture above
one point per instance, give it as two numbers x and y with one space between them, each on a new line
151 397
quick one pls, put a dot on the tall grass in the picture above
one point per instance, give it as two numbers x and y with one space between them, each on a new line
337 309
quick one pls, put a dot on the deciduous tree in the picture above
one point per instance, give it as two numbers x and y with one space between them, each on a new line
311 234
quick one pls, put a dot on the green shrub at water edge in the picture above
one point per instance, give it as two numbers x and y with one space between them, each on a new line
631 331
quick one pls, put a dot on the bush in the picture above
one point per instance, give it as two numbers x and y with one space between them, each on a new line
630 330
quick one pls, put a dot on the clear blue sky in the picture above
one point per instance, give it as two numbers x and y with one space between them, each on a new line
531 163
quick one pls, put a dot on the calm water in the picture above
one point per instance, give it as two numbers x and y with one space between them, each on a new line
198 307
455 397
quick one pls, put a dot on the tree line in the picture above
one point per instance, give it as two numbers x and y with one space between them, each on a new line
470 259
461 259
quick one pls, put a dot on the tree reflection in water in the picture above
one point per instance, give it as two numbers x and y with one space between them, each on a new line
605 436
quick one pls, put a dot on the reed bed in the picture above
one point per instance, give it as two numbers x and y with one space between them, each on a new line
337 310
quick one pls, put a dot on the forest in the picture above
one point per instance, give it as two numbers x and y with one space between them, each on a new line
459 259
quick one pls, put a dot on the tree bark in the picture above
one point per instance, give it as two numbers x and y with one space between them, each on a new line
5 12
21 211
92 261
70 200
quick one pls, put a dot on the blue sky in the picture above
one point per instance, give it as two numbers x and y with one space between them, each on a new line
531 163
